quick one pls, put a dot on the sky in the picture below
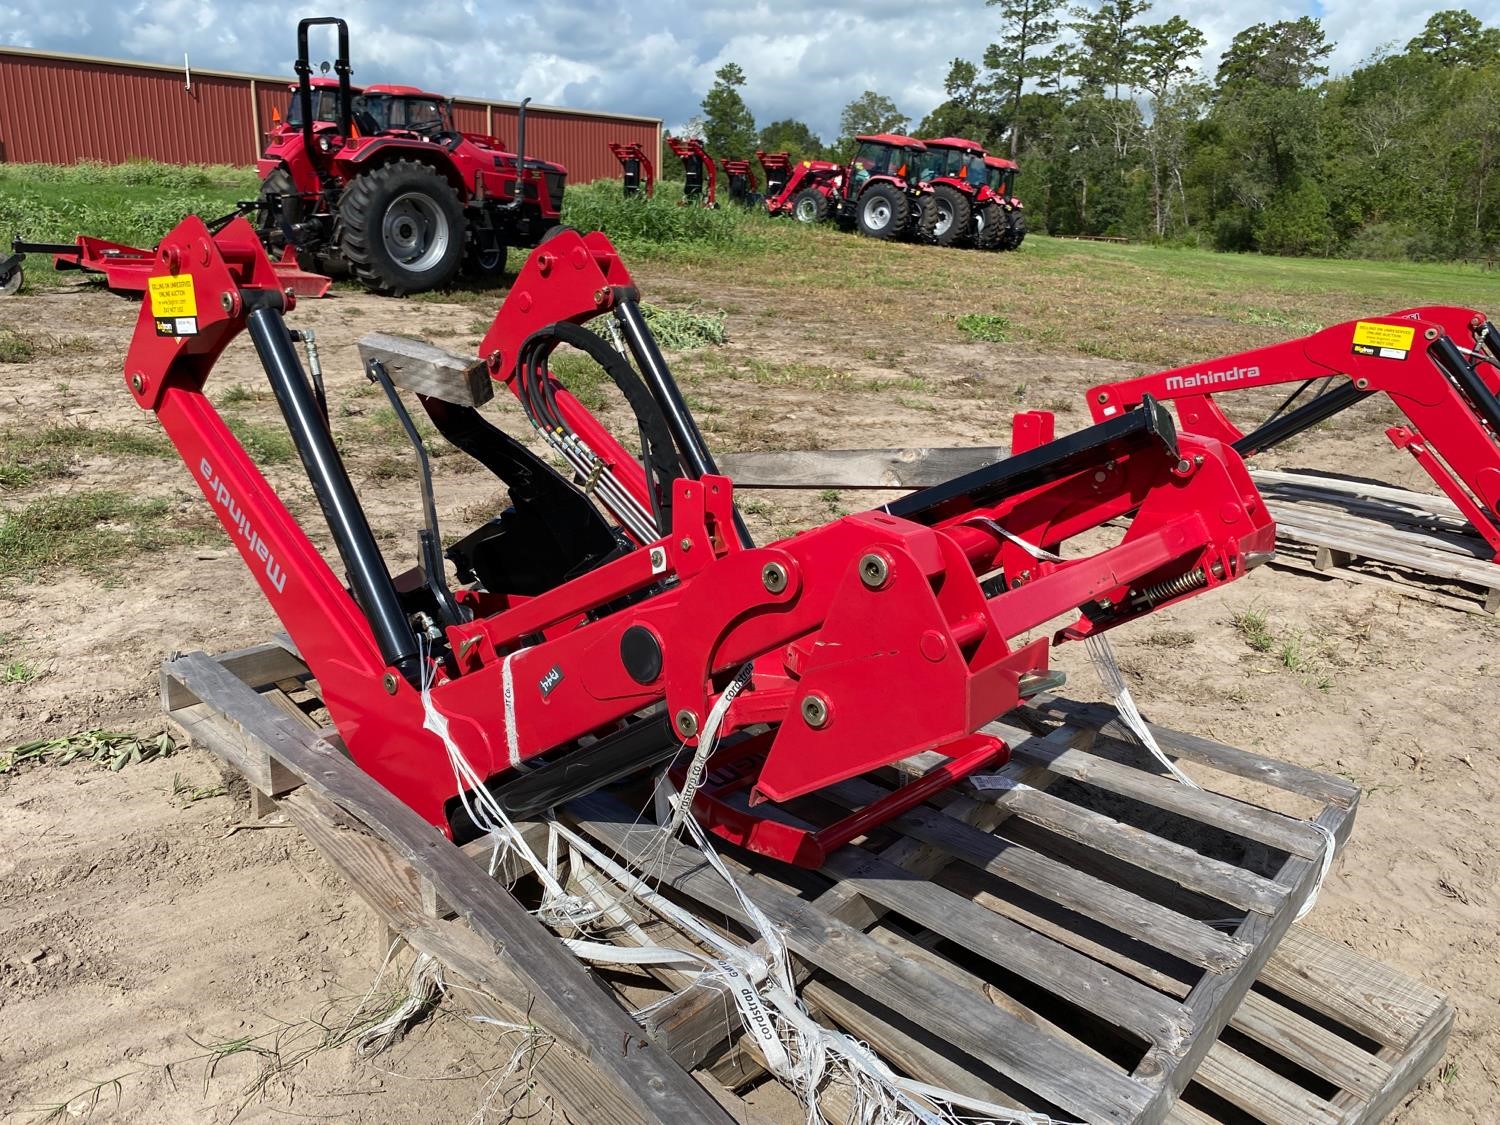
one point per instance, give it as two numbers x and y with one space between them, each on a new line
801 60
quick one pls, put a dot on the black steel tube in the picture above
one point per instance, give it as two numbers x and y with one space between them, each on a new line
369 578
1292 423
304 80
685 432
520 193
1470 385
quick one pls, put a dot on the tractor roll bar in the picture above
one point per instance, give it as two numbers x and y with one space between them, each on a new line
369 579
304 78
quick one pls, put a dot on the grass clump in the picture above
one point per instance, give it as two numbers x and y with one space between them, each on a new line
989 327
1251 624
266 444
17 672
657 227
680 329
28 456
88 531
15 348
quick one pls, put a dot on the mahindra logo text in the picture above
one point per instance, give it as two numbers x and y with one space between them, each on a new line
220 491
1210 378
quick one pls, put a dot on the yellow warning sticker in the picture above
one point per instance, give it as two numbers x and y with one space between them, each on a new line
1388 341
173 296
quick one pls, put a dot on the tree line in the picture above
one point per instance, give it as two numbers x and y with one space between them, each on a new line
1119 130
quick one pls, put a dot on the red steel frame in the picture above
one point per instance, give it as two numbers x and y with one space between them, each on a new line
627 152
919 657
685 150
1449 434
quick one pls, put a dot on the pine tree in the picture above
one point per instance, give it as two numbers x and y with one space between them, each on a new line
1027 29
728 124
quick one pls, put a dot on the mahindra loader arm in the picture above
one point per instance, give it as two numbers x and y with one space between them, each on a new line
1438 364
618 615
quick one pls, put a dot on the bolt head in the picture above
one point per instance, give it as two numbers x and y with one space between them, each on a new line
815 711
686 723
226 301
874 570
390 683
773 577
685 543
137 383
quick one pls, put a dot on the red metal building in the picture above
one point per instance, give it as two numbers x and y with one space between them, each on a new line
60 109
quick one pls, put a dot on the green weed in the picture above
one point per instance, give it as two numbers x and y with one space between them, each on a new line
1251 624
989 327
267 444
28 456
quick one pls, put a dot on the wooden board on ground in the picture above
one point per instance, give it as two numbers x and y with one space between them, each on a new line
1077 935
1325 524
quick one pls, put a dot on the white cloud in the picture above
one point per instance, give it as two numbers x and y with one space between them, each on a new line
802 60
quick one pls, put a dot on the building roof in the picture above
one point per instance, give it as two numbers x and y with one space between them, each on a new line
278 79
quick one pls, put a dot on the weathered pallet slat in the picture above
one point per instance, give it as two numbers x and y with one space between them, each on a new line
1023 945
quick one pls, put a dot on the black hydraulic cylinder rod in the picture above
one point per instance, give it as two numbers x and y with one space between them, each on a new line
685 432
1293 422
369 578
1467 380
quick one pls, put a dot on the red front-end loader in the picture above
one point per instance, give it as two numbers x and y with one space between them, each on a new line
740 178
636 171
778 169
1440 366
391 189
879 191
598 630
700 175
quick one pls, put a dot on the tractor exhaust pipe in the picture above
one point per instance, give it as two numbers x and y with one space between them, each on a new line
304 79
519 196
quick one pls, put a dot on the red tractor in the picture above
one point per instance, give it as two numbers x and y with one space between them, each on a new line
972 195
381 181
879 191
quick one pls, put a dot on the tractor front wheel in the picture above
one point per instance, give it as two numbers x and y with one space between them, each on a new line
1015 233
954 215
810 206
485 255
883 211
401 228
924 217
989 226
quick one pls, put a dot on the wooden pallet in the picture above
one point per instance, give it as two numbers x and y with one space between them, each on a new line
1090 941
1411 542
1333 525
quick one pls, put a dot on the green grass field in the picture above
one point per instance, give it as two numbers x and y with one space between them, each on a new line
1139 303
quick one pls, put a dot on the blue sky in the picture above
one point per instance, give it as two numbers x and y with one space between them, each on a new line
802 60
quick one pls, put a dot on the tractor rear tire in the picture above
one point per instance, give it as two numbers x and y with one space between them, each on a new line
401 229
955 216
924 218
810 206
990 226
883 211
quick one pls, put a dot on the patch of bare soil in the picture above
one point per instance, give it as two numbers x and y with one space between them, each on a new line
137 925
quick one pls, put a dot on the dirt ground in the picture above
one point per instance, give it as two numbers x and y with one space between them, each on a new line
154 940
